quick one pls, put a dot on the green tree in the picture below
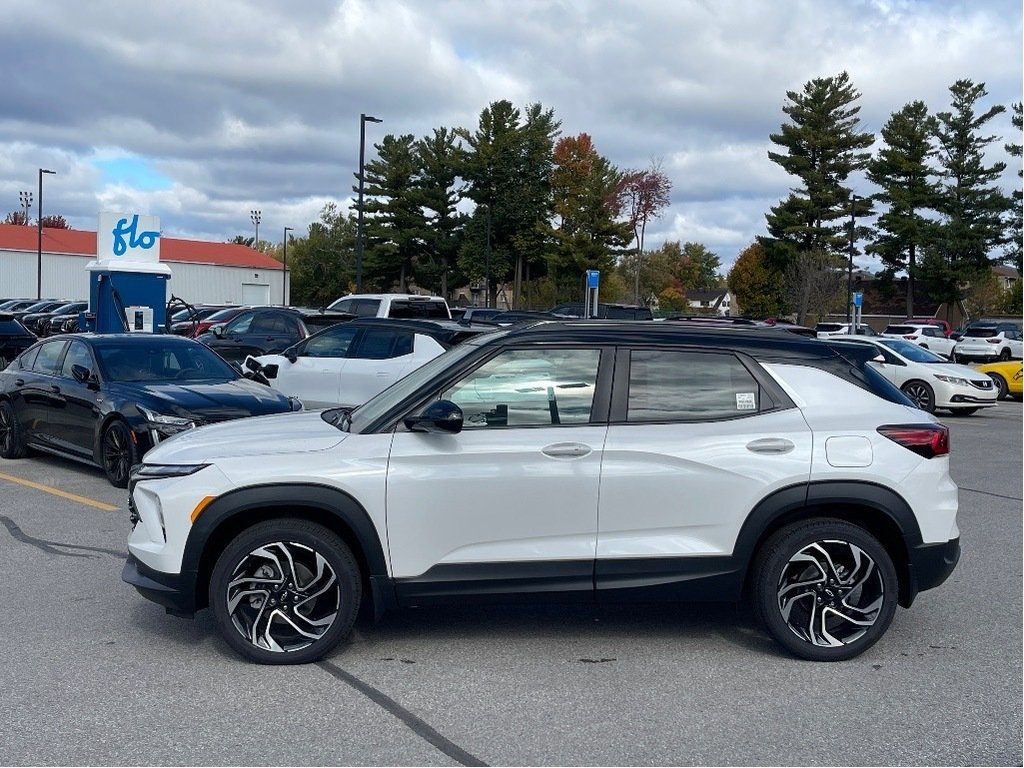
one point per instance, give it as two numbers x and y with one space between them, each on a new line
697 268
439 194
394 224
971 204
822 145
1015 249
17 217
507 165
757 288
585 233
322 264
902 170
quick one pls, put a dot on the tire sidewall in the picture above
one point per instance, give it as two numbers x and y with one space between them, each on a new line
17 448
132 452
312 535
930 408
776 553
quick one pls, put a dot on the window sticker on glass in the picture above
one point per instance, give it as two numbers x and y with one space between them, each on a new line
746 401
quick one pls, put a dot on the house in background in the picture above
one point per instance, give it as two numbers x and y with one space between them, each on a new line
1007 276
717 301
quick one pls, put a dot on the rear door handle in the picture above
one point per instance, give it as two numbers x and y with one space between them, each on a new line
770 445
20 382
566 450
55 388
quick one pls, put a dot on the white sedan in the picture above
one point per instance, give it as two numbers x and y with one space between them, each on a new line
930 380
348 364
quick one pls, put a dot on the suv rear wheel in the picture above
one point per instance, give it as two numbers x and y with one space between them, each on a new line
826 590
285 592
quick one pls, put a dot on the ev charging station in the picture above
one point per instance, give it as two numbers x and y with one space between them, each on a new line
591 288
127 282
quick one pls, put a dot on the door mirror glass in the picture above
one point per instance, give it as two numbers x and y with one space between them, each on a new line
217 330
80 373
440 416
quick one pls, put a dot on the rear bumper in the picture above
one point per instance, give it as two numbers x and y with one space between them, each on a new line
930 565
176 593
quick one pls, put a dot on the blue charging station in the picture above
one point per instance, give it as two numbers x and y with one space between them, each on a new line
127 282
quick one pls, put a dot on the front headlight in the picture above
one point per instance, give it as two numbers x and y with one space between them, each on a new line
157 471
952 380
168 425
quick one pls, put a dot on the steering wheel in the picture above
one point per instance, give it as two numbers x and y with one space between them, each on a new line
185 373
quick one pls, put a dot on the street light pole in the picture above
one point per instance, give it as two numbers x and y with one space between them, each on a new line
363 120
255 216
849 273
284 272
25 198
39 237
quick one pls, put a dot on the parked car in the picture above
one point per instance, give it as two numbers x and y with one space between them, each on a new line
926 336
1007 376
107 399
604 311
220 317
986 343
46 305
930 380
15 338
825 330
350 363
947 328
573 459
266 330
986 321
187 322
65 323
478 314
401 306
732 321
15 306
39 322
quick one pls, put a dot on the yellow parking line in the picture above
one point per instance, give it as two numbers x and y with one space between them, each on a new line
62 494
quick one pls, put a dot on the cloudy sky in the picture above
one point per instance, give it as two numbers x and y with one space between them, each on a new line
198 111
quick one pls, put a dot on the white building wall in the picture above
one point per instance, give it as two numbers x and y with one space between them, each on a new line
64 276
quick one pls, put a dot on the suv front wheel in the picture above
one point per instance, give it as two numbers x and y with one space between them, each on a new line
825 589
285 592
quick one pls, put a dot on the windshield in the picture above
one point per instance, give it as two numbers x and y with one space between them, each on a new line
160 361
406 387
912 352
223 314
901 329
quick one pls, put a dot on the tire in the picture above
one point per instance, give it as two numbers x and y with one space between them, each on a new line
1001 385
1004 353
307 574
118 453
12 444
963 411
921 393
826 590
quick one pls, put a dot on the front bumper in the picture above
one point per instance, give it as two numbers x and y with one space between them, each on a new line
175 592
930 565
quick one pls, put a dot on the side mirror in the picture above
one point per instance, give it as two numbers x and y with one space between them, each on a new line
878 359
81 374
217 330
442 416
270 370
292 353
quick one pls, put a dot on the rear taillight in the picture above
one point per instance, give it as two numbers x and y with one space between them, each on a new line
928 440
992 341
909 337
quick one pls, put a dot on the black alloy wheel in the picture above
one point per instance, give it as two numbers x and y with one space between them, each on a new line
825 589
12 446
118 453
285 592
921 393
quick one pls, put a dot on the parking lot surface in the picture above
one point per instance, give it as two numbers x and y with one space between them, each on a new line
95 674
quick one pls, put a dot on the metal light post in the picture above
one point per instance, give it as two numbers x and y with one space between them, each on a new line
284 273
39 237
849 273
25 198
255 216
363 120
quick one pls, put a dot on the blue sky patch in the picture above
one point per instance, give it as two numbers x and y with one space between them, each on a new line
132 172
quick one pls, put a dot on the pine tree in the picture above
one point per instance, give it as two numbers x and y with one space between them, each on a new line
969 200
901 168
1015 249
823 146
437 156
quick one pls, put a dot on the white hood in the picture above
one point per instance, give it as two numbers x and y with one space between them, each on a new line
302 432
954 369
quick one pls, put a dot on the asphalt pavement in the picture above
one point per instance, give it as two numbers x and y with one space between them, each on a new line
94 674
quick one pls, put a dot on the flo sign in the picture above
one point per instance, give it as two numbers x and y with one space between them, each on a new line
128 237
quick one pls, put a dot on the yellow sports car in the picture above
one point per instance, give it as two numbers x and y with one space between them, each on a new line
1008 377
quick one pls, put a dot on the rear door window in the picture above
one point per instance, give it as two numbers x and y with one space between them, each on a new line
48 358
381 344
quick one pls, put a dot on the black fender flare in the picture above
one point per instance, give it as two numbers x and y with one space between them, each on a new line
326 504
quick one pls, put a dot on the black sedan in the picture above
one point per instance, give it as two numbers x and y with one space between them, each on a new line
14 338
265 330
107 399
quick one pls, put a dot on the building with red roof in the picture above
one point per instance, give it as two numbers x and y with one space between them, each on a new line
201 272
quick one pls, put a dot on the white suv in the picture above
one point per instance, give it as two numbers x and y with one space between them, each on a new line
926 336
595 460
988 343
402 306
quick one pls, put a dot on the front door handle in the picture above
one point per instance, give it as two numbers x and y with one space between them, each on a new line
55 389
566 450
770 445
